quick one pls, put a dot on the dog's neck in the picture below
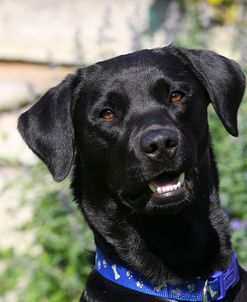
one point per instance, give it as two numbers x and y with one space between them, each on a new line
178 241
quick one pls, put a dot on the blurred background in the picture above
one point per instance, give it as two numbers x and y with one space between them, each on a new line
44 241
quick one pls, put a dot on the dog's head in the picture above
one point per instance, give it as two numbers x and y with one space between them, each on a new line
138 123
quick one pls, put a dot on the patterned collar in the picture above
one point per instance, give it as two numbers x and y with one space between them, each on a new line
212 289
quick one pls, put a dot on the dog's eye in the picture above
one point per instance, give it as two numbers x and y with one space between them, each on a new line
107 114
176 96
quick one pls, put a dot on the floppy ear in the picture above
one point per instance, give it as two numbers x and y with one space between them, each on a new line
222 78
47 128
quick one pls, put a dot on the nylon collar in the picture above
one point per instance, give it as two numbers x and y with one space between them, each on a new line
212 289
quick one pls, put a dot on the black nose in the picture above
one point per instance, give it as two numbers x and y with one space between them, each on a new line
159 143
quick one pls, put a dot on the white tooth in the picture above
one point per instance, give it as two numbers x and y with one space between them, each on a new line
174 187
181 178
163 189
159 190
169 188
153 187
179 185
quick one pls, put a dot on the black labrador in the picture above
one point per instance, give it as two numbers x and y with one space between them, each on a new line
135 130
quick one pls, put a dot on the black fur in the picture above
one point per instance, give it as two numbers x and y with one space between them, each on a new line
166 239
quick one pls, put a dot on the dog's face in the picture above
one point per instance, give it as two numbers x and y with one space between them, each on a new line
143 127
139 123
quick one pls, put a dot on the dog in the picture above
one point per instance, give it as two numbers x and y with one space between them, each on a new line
134 131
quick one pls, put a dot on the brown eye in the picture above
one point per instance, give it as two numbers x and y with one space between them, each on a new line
176 96
107 114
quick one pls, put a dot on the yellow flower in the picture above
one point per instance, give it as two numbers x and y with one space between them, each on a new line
231 14
215 2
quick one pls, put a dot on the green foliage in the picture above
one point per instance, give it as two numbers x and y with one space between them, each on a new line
240 245
56 264
232 163
231 154
10 275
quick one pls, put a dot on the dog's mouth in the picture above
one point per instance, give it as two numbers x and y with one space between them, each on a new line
168 188
167 191
167 183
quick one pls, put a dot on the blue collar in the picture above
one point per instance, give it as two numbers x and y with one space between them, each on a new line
212 289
